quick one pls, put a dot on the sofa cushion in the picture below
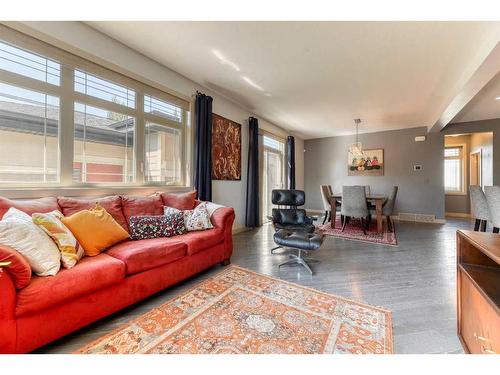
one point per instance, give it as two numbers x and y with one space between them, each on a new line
145 227
143 255
29 206
181 201
95 230
142 206
112 204
19 268
18 231
198 241
90 274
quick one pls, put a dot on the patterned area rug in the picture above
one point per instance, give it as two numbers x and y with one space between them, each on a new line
240 311
354 231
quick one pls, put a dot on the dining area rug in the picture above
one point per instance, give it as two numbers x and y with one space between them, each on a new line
354 231
239 311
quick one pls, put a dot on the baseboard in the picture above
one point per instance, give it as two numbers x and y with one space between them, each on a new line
458 214
419 218
314 211
240 229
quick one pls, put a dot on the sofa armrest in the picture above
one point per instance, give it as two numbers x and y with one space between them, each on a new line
8 298
222 217
18 268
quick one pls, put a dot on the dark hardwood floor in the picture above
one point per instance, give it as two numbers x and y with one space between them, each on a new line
415 280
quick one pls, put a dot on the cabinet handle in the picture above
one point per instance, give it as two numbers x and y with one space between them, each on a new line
480 338
488 351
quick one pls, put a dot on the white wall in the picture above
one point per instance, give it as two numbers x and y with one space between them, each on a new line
80 39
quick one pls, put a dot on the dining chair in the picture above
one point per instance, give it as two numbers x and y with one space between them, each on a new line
479 208
354 206
326 191
368 192
492 194
388 208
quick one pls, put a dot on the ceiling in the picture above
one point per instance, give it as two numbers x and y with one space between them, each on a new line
314 78
484 105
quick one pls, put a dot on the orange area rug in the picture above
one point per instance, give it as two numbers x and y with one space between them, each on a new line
240 311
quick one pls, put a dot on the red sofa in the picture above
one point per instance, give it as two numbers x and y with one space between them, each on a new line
35 311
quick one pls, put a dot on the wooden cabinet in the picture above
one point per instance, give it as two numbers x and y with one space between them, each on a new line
478 291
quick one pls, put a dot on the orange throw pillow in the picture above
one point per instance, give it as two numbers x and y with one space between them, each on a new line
95 229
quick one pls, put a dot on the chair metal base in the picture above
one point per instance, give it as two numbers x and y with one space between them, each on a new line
275 248
297 259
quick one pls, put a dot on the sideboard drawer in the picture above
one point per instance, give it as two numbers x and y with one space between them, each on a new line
479 322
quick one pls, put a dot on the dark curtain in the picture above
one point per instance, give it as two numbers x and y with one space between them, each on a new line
203 147
290 147
252 207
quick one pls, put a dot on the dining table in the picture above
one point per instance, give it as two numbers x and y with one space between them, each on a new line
376 199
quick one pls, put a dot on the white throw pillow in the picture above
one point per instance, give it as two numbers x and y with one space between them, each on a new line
195 219
18 231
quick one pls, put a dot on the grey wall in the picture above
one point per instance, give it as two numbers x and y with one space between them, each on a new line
419 192
479 127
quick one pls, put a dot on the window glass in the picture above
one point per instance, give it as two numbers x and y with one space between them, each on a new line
163 154
103 89
28 64
453 169
162 108
29 136
103 146
273 143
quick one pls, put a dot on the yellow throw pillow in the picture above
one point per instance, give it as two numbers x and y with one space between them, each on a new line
71 251
95 229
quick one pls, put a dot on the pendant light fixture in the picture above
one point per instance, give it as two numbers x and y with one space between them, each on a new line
356 148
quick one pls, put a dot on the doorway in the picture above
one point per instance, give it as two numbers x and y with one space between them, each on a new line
273 172
468 160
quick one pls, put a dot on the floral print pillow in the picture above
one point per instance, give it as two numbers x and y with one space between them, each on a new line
195 219
144 227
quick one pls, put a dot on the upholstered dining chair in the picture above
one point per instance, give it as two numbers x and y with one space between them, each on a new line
479 208
388 208
368 192
492 194
354 206
327 191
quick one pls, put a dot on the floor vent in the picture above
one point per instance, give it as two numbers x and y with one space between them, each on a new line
421 218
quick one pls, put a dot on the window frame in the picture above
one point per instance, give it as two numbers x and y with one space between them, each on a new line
463 169
68 96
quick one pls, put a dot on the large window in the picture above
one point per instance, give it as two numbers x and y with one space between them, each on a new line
454 169
65 121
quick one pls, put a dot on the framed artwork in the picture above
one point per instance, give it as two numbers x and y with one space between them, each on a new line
370 164
226 149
